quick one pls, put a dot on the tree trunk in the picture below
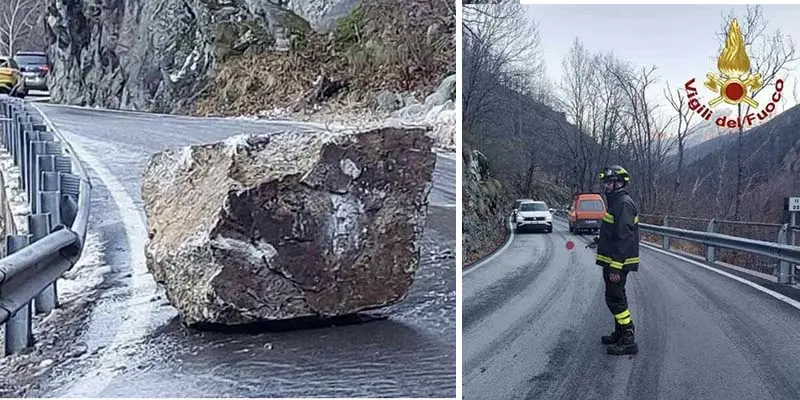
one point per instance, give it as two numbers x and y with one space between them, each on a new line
739 166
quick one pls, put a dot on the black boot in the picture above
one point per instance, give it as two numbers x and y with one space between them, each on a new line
613 337
626 343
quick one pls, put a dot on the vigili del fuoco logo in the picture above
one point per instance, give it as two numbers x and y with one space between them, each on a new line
735 84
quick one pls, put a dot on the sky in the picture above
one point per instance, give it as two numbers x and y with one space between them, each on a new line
680 40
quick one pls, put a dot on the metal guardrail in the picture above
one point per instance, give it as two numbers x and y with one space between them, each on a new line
780 250
57 189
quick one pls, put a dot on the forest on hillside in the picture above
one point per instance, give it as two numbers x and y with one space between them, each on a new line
546 139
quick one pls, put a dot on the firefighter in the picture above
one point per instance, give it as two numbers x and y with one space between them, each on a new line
618 254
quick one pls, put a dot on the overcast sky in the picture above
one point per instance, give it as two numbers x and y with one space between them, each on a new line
679 39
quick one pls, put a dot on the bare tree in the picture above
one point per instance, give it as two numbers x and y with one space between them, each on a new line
770 54
594 101
684 116
497 39
18 21
577 86
643 135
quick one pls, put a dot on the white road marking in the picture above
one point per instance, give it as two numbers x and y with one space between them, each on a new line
138 313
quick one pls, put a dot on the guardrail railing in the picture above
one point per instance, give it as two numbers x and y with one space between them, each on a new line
781 250
57 189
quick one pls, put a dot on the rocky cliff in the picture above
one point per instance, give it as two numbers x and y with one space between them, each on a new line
156 55
486 207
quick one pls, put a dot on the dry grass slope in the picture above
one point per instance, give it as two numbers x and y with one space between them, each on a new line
404 46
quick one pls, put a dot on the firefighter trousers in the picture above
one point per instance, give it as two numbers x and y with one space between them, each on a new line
616 300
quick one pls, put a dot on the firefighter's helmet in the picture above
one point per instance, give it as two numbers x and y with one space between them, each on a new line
615 173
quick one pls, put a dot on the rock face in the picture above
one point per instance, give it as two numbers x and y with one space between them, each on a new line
288 225
485 208
155 55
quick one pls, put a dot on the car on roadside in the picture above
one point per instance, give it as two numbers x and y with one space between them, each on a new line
11 80
534 215
586 213
35 67
516 207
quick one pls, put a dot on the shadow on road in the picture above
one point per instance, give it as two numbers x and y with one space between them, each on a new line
288 325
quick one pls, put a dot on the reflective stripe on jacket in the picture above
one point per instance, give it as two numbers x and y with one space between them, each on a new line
618 246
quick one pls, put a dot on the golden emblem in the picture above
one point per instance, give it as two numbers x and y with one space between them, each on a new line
734 66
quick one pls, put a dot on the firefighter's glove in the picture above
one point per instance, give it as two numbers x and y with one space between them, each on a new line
593 244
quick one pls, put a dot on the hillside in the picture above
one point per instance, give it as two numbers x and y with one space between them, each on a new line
704 148
526 145
771 171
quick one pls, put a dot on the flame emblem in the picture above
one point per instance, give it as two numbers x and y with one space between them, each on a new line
735 79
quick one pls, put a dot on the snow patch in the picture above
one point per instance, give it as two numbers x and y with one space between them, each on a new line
350 168
17 198
343 226
189 64
234 143
88 272
186 160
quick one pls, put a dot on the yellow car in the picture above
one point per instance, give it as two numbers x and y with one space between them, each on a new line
11 80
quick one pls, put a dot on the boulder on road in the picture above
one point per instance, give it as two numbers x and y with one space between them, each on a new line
293 224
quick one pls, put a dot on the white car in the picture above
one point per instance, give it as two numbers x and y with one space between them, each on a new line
534 215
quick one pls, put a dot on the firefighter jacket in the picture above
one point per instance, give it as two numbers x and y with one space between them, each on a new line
618 244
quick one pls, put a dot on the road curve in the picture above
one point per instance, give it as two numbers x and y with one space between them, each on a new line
137 345
533 316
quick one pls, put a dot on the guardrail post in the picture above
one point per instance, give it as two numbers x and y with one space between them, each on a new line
711 251
793 232
18 327
39 227
666 238
33 173
785 268
15 135
24 143
50 181
6 124
50 203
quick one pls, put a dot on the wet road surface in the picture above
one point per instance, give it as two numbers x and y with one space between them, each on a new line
533 316
138 347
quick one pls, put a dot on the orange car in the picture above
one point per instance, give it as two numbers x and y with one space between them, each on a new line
586 213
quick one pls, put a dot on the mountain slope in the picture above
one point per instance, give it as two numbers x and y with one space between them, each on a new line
771 171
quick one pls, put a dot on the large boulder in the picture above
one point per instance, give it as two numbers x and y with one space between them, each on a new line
293 224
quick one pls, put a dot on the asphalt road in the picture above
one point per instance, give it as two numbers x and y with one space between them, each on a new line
533 316
139 347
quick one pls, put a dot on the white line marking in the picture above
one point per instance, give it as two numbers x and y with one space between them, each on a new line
788 300
138 313
496 253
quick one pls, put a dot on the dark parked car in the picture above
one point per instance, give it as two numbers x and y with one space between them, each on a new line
34 67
